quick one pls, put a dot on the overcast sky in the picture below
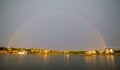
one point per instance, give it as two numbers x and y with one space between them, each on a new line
60 31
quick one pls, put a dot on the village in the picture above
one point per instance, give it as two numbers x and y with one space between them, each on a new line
10 50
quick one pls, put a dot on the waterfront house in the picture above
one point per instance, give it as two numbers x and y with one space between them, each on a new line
93 52
46 52
66 52
109 51
101 52
22 52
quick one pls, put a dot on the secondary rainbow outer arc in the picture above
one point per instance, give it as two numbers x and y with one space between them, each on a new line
45 14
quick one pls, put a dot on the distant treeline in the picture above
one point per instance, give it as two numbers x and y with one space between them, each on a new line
117 52
11 50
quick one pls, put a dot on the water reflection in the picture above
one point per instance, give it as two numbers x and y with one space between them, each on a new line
59 62
101 61
90 62
6 58
66 58
21 58
110 61
45 59
12 58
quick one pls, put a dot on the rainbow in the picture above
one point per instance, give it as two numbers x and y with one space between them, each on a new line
46 14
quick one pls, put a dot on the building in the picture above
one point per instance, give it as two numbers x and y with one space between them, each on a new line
109 51
93 52
22 52
101 52
46 52
66 52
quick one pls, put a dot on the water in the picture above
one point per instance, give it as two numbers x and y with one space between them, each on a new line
59 62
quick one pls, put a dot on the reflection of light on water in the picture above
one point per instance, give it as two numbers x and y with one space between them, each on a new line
21 58
90 61
45 58
6 57
66 57
101 61
110 61
13 58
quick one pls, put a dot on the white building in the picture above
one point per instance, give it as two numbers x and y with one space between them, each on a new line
22 52
93 52
109 51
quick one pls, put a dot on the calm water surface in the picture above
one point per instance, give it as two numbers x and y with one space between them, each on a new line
59 62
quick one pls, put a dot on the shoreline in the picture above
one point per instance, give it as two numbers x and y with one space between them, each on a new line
38 51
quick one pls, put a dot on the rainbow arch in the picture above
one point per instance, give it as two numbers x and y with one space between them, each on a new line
46 14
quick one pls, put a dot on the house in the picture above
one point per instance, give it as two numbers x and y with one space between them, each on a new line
93 52
66 52
22 52
109 51
46 52
101 52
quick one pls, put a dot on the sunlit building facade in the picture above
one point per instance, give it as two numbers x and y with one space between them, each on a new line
22 52
93 52
101 52
46 52
109 51
66 52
